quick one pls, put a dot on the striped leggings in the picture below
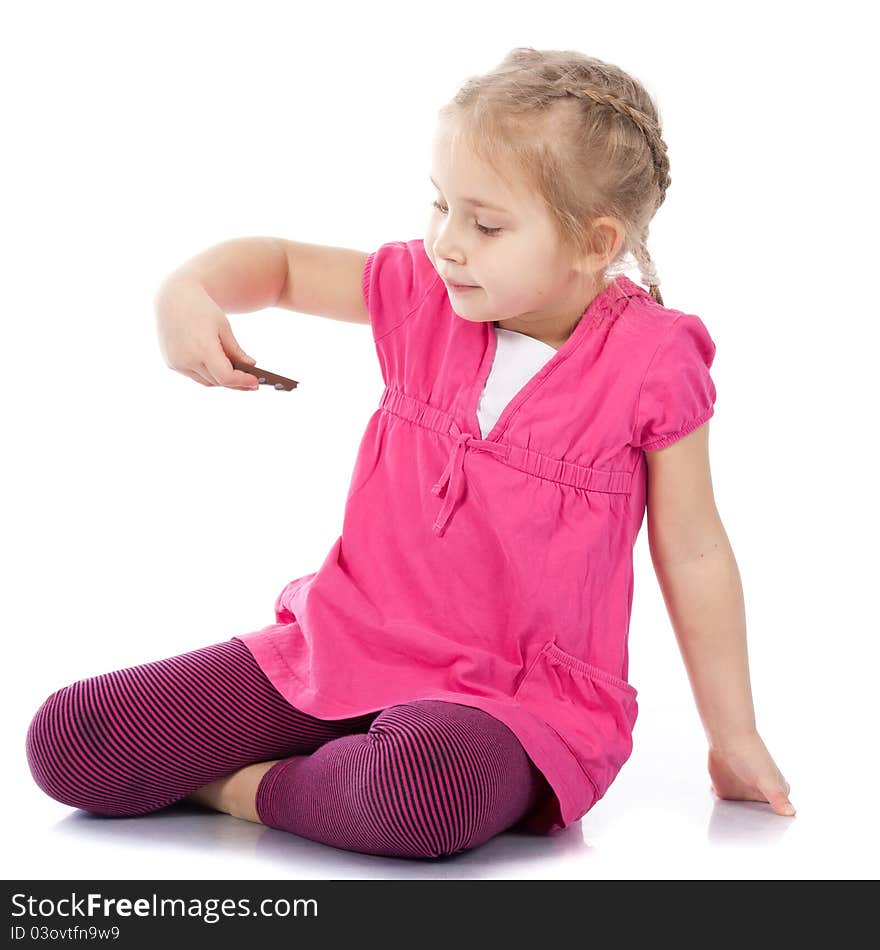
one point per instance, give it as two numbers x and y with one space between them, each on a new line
421 780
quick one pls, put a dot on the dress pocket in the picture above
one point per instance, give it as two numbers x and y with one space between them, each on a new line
592 711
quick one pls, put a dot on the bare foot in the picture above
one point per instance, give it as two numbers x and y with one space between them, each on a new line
234 794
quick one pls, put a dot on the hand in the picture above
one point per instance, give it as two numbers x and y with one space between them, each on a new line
742 770
195 337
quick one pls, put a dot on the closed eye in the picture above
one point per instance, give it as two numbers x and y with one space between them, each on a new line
488 231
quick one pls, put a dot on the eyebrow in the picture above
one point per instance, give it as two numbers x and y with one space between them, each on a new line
474 201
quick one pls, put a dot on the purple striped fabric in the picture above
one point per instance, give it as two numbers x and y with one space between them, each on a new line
422 779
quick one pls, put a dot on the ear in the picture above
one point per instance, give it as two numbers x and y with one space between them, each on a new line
610 236
607 236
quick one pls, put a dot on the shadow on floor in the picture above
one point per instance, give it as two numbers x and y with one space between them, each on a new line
189 826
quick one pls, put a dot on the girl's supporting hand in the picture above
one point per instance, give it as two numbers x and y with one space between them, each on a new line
743 770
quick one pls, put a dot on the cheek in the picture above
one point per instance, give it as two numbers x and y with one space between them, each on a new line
511 283
428 243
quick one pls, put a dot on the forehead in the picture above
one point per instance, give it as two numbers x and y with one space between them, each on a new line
457 168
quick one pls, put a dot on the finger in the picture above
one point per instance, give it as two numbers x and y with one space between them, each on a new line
204 370
234 378
245 380
782 806
776 794
229 377
196 377
226 375
231 347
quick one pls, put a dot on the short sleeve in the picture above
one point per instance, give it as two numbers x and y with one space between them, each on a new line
677 393
396 278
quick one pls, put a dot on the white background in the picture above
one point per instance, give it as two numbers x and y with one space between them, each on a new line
146 515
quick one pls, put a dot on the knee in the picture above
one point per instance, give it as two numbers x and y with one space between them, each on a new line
48 747
66 751
424 793
409 820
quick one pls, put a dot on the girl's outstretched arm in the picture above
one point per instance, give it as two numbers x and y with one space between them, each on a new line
700 582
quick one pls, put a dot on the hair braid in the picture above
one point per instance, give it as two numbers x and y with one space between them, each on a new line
649 128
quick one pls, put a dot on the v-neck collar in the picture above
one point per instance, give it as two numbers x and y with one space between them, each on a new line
621 286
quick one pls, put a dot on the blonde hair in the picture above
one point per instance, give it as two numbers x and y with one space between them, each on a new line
584 133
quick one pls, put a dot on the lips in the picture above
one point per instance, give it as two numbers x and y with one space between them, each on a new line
458 286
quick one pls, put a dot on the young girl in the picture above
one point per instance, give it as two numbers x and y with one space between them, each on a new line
458 664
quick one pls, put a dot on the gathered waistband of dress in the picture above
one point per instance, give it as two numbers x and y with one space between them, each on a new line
421 413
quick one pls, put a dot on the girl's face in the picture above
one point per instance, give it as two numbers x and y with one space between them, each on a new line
492 233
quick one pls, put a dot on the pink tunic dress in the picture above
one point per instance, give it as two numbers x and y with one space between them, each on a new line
495 572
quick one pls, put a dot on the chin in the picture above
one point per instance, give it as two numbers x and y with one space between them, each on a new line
472 319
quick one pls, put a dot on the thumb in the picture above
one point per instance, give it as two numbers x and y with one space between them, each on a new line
232 348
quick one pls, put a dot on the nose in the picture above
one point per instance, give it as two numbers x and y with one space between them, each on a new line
447 243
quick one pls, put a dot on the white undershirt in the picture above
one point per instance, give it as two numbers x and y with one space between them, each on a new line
517 358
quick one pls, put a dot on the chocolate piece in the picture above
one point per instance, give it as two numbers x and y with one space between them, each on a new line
264 376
